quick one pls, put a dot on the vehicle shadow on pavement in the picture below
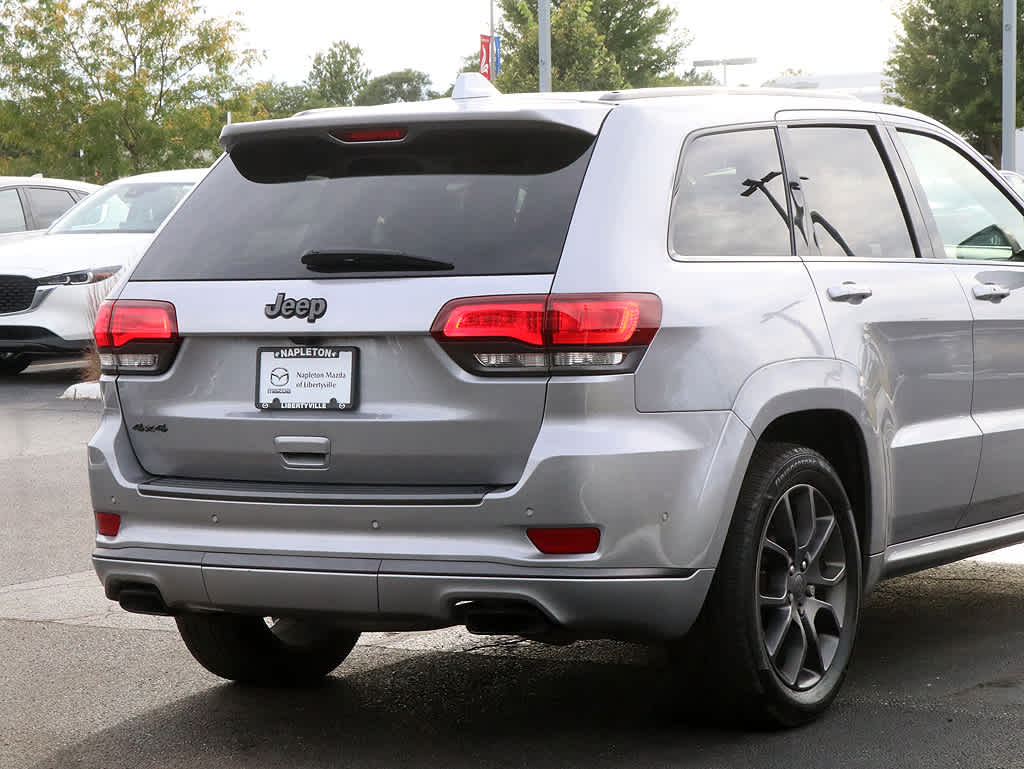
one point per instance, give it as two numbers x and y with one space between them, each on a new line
929 645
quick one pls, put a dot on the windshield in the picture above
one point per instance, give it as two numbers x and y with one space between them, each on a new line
131 207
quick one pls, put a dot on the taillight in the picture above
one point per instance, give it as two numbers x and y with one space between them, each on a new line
136 336
548 334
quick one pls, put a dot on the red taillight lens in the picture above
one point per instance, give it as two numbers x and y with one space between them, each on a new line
568 541
101 329
136 335
108 524
582 321
517 318
142 321
540 334
371 134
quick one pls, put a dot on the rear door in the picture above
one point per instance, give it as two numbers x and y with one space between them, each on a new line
309 269
893 311
47 204
980 225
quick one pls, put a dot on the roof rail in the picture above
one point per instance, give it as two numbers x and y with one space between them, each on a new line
655 93
473 85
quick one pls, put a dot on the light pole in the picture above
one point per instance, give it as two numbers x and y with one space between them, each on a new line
1009 159
544 43
725 63
490 48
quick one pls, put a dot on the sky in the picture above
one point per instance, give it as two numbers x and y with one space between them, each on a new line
817 36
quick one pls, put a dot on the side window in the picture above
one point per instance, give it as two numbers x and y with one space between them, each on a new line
48 204
852 206
12 218
976 220
730 198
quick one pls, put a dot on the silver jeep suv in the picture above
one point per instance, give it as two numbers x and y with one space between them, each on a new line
690 365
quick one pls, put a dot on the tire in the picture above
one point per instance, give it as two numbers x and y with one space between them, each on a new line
773 642
12 363
290 652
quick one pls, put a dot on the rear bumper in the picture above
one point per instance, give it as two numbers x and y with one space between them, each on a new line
371 594
645 480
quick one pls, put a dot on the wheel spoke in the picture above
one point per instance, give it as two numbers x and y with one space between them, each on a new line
830 529
816 576
790 522
775 547
789 660
769 601
774 635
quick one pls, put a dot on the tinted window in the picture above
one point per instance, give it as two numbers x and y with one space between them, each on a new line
852 207
12 218
48 204
730 197
471 201
974 217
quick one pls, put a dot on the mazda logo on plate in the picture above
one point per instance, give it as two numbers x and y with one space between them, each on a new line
279 377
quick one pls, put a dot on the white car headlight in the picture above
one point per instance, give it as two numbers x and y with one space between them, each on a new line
80 277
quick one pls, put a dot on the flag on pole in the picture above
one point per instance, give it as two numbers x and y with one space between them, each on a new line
485 56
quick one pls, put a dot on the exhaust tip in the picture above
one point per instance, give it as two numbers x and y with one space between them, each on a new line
142 599
503 618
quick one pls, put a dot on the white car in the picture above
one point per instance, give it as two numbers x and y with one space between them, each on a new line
29 203
52 284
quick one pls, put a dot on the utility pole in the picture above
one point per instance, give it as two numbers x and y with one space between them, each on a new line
544 43
1009 160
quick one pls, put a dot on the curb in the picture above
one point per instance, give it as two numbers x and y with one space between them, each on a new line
83 391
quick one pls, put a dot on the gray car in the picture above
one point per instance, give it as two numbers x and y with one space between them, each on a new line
686 365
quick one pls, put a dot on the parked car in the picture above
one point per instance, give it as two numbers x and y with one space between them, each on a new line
30 203
51 286
692 365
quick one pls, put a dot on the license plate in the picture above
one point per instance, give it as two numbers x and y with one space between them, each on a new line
306 378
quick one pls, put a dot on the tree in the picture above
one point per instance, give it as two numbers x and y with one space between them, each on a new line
103 88
617 43
580 61
274 99
947 63
787 74
338 74
405 85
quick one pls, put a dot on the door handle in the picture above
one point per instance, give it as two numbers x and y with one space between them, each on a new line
848 291
991 292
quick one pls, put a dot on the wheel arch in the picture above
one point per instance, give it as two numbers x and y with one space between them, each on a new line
813 402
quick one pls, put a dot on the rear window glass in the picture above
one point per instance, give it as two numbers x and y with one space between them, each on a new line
730 198
451 201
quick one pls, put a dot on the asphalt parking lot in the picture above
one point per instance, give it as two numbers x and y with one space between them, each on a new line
937 680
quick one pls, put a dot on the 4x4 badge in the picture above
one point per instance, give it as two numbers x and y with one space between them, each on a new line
310 309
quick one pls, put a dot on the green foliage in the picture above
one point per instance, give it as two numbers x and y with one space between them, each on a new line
338 74
580 60
274 99
405 85
595 44
947 63
103 88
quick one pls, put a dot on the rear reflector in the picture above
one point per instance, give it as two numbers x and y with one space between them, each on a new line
136 335
569 541
371 134
538 334
108 524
